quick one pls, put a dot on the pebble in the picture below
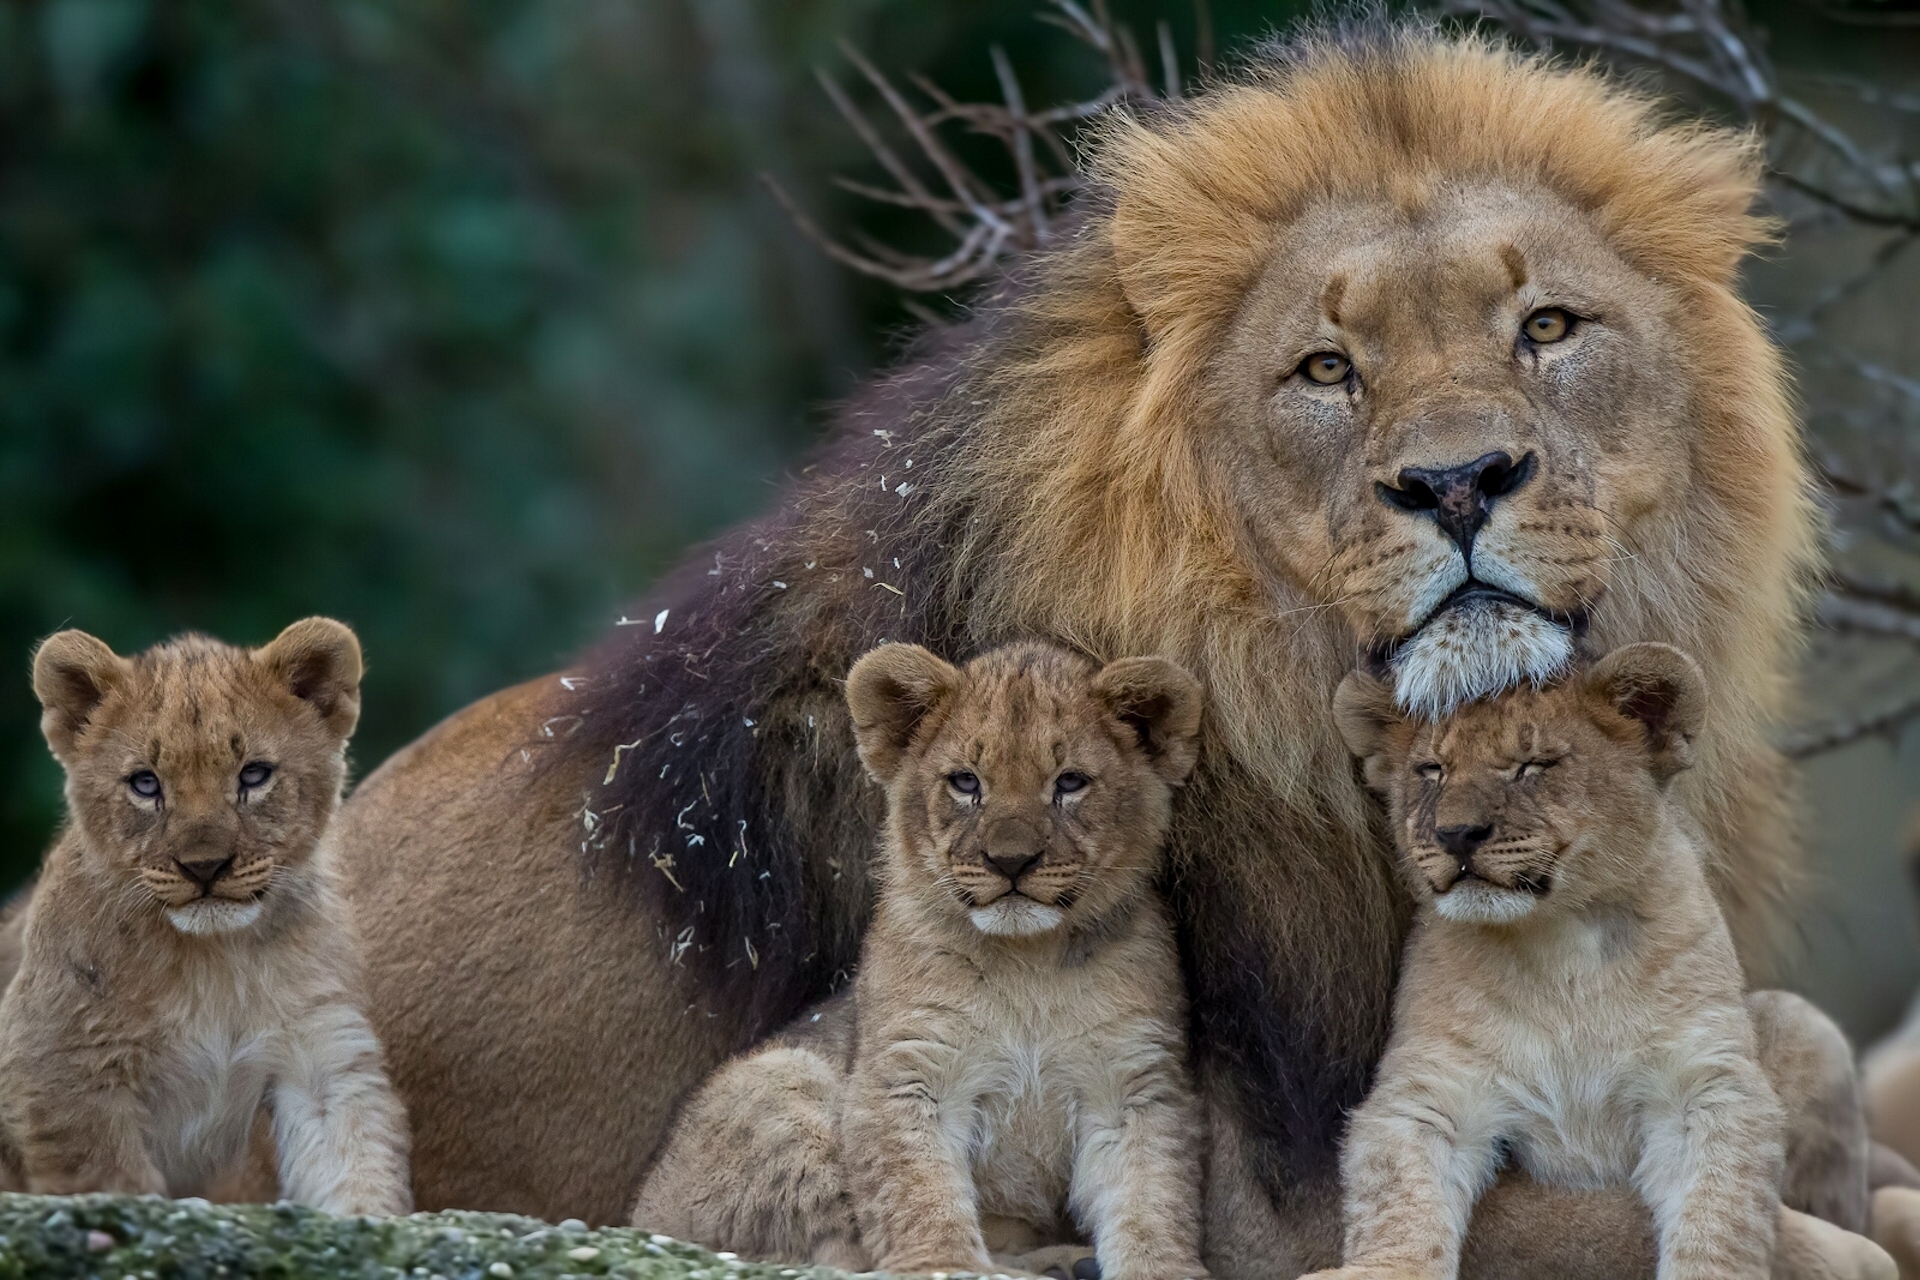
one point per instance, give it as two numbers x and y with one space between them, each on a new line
500 1269
99 1242
573 1224
585 1253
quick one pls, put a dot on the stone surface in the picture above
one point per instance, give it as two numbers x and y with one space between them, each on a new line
149 1238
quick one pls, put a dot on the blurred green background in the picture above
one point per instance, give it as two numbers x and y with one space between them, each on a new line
457 320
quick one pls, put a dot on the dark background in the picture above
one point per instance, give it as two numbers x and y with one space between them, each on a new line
458 319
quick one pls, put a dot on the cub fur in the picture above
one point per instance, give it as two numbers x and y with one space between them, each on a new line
1009 1069
186 957
1570 1000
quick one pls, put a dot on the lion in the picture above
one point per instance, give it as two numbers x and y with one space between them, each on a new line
1396 340
1009 1069
1570 1000
186 960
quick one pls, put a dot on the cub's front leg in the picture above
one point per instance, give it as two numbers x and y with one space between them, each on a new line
81 1135
1136 1183
1711 1165
340 1127
906 1165
1415 1161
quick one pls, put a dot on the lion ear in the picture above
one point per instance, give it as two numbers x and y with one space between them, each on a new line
319 660
1662 688
1365 714
890 693
1159 702
73 673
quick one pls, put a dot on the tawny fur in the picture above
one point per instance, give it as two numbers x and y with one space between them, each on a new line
1009 1070
581 897
155 1012
1570 1001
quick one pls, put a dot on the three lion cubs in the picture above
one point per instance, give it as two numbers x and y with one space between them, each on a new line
187 958
1009 1069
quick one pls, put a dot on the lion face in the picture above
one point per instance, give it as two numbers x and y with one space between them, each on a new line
1540 798
200 773
1450 414
1029 788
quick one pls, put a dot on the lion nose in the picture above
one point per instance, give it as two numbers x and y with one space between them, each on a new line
1462 841
1012 865
1460 498
203 871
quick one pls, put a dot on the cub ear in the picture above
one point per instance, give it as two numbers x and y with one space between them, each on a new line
1160 702
890 693
72 674
319 660
1365 714
1663 689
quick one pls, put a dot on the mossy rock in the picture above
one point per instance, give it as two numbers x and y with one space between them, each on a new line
150 1238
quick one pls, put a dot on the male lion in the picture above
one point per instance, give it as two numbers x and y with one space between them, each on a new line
1401 346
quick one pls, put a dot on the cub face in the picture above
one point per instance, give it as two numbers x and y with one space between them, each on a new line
1028 789
1540 799
198 771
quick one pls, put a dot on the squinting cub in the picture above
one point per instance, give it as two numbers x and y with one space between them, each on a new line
187 958
1570 999
1009 1071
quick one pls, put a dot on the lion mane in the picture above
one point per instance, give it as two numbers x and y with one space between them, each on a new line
1038 471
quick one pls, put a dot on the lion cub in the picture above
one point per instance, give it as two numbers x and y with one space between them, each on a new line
1009 1069
1570 998
186 957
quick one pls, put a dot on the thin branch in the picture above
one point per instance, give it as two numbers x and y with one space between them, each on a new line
1867 617
1887 721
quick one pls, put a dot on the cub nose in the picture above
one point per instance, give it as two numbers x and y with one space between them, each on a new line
203 871
1011 865
1460 498
1462 841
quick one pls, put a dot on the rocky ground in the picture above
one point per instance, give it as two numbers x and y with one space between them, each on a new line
149 1238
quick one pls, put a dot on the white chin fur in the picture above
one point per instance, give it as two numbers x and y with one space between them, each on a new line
1476 649
1480 903
209 916
1013 917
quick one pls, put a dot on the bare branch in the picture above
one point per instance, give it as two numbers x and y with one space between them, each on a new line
1887 721
986 224
1868 617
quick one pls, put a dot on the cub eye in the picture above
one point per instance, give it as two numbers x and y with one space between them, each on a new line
965 783
1548 324
1068 783
255 774
145 784
1431 772
1326 367
1534 768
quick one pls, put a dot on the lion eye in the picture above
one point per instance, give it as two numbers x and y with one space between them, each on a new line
1549 324
965 783
1068 783
1534 768
1326 367
145 784
1431 772
255 774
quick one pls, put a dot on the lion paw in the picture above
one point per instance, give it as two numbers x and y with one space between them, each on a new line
1811 1249
1896 1227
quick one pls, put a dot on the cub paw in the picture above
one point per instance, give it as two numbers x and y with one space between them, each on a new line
1811 1249
1896 1227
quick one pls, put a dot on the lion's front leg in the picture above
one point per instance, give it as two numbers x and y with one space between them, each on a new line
1136 1175
909 1175
1411 1173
